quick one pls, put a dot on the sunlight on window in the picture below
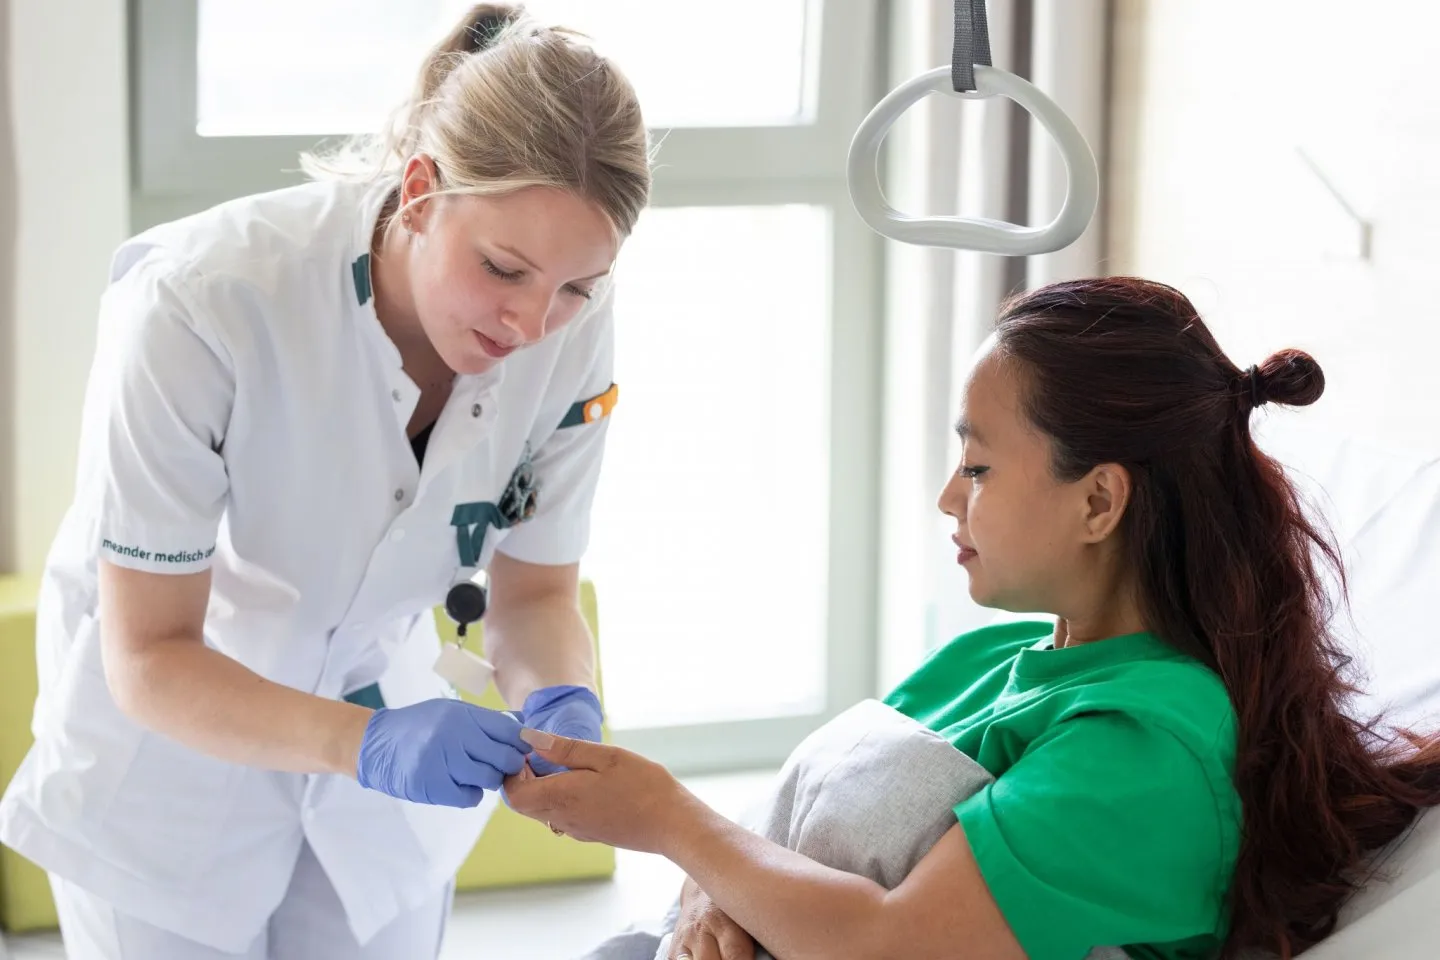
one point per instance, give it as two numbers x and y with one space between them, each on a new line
710 544
324 67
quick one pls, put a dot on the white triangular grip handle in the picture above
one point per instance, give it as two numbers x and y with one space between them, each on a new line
988 236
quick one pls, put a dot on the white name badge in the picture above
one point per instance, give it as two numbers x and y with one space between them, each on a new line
464 670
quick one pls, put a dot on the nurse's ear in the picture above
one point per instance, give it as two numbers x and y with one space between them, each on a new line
420 179
1105 493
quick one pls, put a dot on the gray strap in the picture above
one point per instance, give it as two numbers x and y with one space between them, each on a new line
972 43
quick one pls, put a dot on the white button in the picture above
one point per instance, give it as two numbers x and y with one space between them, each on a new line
476 410
399 495
396 536
596 410
395 395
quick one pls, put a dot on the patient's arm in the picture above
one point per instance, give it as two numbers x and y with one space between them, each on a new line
800 909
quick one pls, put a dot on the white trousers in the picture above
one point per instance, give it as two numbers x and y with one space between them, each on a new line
308 925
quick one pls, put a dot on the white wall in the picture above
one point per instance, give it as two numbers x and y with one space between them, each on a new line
1210 193
66 67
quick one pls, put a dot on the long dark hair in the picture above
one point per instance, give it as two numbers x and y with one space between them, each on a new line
1232 572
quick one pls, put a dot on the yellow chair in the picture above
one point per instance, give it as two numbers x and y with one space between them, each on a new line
512 851
25 902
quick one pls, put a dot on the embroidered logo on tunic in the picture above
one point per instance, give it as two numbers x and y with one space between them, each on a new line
517 504
157 556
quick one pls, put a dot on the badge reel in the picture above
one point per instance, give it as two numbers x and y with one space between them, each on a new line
463 669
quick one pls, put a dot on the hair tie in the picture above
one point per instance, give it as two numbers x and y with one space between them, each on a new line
1253 375
485 31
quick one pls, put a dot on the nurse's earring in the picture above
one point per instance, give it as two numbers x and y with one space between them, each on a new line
407 224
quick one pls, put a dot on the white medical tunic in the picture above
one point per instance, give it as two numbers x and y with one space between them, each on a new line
246 413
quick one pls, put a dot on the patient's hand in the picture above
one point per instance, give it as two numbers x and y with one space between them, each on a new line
705 932
607 795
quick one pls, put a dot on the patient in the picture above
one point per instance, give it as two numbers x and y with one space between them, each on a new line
1166 765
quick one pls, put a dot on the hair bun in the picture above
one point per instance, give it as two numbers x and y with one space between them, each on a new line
1289 377
487 21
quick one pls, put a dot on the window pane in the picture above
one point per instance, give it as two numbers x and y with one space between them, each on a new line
710 542
273 67
699 64
270 67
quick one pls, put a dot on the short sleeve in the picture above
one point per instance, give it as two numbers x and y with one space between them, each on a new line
1106 832
157 410
567 462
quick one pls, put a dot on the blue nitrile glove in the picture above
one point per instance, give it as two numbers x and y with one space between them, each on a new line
441 751
565 711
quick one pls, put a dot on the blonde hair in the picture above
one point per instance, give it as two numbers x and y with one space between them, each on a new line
503 103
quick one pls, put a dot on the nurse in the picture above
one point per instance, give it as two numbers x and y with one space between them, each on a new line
311 413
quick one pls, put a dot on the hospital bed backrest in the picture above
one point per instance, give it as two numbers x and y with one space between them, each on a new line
1383 506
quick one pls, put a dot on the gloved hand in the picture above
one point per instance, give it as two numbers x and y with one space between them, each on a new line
565 711
441 751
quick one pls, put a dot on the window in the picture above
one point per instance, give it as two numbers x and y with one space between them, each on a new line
711 540
367 59
735 531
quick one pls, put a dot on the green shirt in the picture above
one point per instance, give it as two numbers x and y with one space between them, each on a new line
1113 819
